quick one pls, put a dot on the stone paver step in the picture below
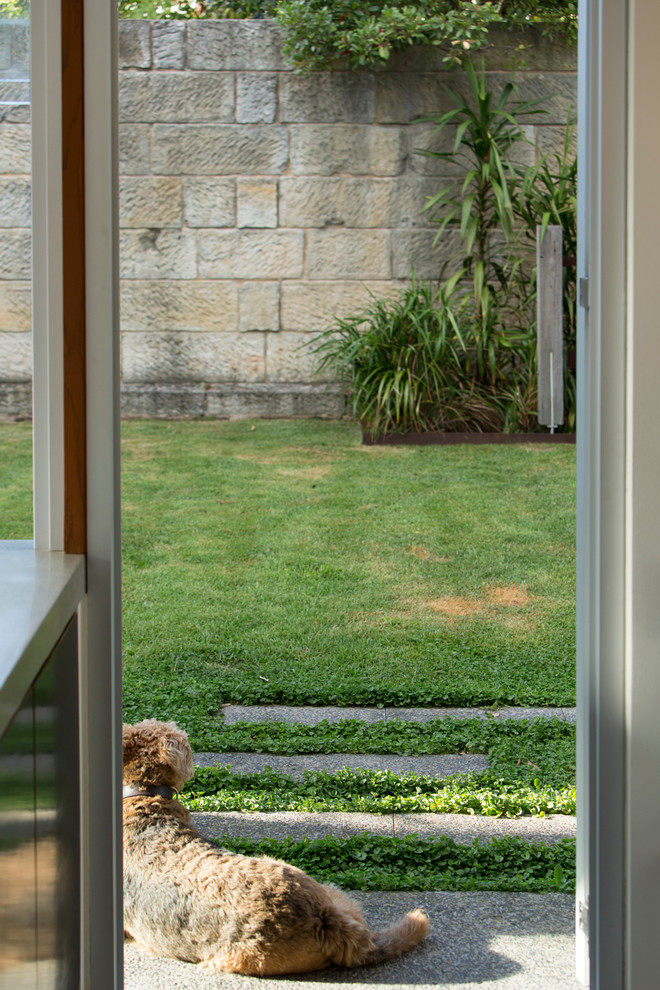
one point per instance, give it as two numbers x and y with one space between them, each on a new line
310 715
341 825
506 941
441 765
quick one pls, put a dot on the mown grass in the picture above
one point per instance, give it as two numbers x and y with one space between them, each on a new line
284 561
15 481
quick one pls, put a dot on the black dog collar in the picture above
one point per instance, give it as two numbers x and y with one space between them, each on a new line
148 790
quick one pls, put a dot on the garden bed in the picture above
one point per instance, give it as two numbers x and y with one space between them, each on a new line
439 437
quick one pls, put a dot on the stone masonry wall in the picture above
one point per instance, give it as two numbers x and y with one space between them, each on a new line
255 206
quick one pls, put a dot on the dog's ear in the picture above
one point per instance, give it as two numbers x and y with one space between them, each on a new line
176 753
129 742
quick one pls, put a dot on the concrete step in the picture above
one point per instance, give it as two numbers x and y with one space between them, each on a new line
440 765
310 715
505 940
342 824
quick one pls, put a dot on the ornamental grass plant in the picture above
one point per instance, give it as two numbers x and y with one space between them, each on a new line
459 354
422 362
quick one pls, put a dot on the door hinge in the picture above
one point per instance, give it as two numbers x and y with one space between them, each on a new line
583 917
583 292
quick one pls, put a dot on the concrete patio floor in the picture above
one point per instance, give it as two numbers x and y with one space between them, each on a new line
505 941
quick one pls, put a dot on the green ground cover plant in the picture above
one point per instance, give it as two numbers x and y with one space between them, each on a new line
285 562
532 769
522 749
370 862
376 792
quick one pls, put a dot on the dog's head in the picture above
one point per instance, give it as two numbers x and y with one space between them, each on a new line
156 753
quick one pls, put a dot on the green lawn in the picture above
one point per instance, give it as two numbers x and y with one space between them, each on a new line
283 561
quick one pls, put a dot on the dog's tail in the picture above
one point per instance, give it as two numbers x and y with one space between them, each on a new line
400 938
348 942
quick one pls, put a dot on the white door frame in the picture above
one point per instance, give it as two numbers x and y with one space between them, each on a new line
618 494
93 32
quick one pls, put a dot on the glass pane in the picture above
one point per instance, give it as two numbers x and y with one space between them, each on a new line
18 906
15 271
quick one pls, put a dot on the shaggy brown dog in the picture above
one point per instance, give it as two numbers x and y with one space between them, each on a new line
187 899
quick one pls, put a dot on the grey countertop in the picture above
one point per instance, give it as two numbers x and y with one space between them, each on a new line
39 593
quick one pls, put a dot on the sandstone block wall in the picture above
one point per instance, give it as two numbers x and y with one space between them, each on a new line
256 205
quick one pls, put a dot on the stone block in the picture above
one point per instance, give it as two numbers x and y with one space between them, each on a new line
339 253
550 141
256 97
15 149
221 149
150 201
16 115
5 43
313 306
192 357
176 97
134 149
178 305
155 253
260 306
134 44
290 358
20 46
414 249
14 91
15 202
327 98
403 96
235 44
15 357
250 254
209 202
539 54
270 400
162 401
502 54
353 148
425 142
556 90
16 255
354 202
15 307
420 58
168 40
15 401
256 203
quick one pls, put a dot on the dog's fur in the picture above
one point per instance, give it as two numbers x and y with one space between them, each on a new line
185 898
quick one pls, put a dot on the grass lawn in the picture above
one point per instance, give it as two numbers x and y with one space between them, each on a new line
283 561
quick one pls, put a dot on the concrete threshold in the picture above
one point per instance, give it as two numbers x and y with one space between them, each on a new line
508 941
343 824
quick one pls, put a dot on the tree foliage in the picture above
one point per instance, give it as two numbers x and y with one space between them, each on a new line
321 34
